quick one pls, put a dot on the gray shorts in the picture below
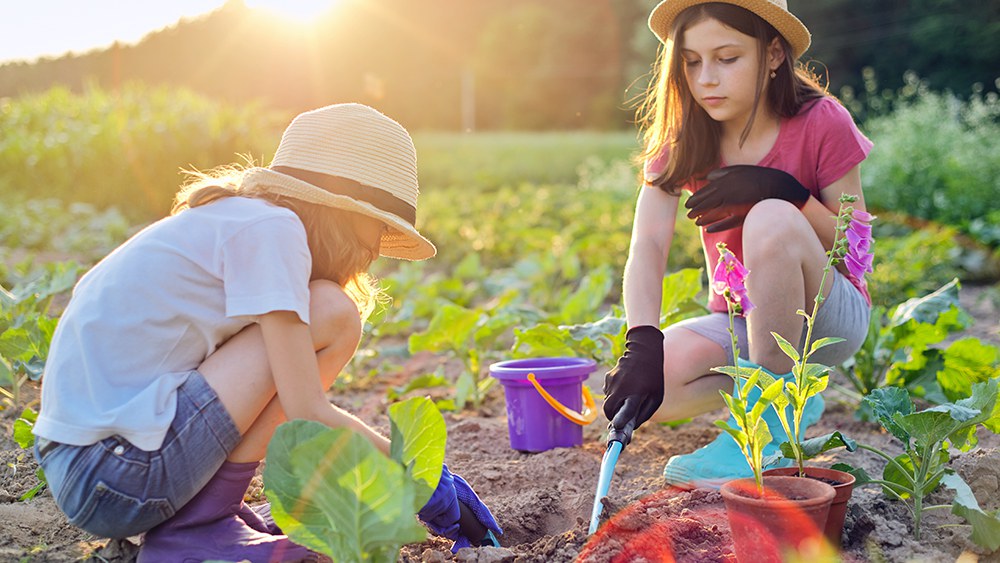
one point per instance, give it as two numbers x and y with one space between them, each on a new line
113 489
844 314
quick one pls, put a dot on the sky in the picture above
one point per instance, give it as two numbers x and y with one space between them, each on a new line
35 28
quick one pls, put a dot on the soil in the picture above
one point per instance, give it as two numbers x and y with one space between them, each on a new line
543 500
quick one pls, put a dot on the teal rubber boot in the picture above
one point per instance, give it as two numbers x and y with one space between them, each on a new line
722 460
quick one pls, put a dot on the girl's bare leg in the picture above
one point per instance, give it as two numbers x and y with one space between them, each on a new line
239 372
691 388
786 260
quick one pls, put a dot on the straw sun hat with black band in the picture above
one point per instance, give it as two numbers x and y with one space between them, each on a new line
774 12
351 157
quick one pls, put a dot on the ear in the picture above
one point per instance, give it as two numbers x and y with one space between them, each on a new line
775 55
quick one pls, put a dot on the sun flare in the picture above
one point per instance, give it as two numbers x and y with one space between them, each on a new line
304 11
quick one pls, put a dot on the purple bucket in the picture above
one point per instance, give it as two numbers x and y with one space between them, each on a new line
533 425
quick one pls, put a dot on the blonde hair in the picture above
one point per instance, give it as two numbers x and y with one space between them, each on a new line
337 253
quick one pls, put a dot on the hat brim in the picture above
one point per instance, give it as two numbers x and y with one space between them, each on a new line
790 27
401 240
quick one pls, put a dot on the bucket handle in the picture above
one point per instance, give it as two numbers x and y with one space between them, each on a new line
584 418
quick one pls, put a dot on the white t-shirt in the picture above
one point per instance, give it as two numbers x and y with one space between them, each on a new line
157 306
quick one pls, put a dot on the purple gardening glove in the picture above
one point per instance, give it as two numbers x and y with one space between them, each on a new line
442 513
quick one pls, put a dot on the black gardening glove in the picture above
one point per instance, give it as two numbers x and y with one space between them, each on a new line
634 387
724 202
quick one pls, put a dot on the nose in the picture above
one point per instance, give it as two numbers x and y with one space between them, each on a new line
707 74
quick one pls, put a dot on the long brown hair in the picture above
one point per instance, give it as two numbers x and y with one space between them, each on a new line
669 116
337 252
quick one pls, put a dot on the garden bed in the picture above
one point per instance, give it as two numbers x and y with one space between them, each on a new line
543 501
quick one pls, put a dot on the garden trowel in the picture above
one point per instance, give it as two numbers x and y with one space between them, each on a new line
617 440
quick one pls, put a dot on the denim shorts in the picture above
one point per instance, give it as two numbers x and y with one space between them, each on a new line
844 314
113 489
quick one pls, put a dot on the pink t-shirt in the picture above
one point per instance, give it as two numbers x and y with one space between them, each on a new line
817 146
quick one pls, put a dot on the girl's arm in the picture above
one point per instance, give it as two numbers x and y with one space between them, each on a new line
822 212
296 376
652 234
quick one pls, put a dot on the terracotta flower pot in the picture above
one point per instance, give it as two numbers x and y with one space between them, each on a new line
843 486
790 517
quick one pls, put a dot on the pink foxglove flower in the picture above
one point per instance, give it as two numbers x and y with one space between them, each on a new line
729 280
859 244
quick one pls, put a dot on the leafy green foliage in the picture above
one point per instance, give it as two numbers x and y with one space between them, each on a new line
906 348
124 147
751 432
332 491
26 440
926 437
911 262
26 326
604 339
952 176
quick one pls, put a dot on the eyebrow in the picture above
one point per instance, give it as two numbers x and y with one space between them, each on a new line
719 48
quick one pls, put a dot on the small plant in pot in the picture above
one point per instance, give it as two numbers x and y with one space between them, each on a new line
852 245
771 515
789 395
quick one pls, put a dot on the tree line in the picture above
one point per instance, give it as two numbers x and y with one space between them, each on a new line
517 64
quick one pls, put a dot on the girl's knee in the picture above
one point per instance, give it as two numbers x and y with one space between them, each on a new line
773 224
333 315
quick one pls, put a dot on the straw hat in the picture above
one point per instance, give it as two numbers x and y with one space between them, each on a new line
774 12
351 157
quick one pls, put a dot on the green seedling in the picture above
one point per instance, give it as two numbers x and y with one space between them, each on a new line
468 335
604 340
26 440
926 437
904 348
752 433
810 379
26 326
332 491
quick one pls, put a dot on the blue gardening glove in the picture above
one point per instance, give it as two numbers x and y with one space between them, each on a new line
634 387
442 513
723 203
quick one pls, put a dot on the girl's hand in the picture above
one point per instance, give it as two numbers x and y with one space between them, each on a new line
724 202
634 387
442 512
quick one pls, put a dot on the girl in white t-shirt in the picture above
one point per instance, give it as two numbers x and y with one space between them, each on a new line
181 351
766 154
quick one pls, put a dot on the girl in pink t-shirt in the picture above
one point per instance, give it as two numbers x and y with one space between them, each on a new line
733 118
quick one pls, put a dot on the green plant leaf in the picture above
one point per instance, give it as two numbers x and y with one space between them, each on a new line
680 293
786 347
543 340
465 387
23 427
901 481
885 403
332 491
450 330
985 524
985 398
861 477
824 342
814 446
965 362
588 297
927 309
931 426
426 381
418 443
